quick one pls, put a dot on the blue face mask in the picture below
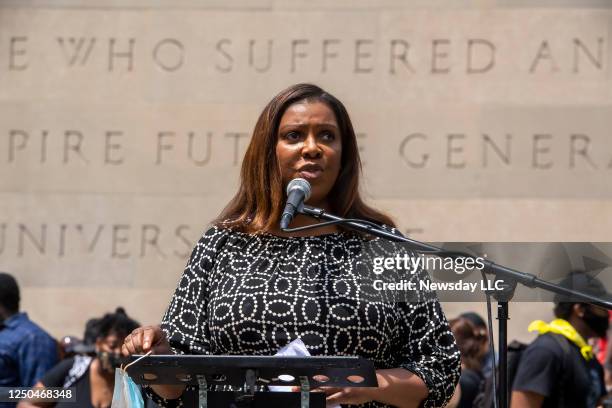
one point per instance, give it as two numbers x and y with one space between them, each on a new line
126 393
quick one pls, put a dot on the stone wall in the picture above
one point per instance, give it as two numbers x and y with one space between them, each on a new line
122 127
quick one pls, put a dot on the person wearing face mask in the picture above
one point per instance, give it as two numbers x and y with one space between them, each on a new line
250 288
559 369
92 376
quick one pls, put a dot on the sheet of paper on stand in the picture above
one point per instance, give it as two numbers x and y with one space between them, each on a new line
295 348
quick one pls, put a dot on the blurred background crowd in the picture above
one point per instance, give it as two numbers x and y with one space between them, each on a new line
29 356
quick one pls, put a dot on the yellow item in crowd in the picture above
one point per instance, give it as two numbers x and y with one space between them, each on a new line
564 328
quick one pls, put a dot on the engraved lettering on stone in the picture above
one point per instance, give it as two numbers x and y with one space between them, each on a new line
253 56
207 149
238 152
439 53
43 146
62 240
327 53
539 149
91 245
120 236
162 145
486 56
17 54
544 54
186 241
168 54
581 49
150 238
119 52
579 146
363 53
112 149
39 242
18 139
399 51
404 155
504 156
454 148
73 140
76 50
221 47
295 53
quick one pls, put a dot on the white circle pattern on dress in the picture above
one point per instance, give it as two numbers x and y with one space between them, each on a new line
253 294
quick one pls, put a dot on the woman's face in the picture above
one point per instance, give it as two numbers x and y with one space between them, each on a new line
109 351
110 344
309 146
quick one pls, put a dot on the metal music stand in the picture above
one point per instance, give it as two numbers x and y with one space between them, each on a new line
242 381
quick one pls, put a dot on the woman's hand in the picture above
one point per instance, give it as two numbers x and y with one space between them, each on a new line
152 338
396 386
347 395
144 339
338 395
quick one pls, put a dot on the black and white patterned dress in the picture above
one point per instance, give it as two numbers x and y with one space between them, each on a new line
244 294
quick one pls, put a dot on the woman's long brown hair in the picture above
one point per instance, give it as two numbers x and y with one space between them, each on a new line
258 204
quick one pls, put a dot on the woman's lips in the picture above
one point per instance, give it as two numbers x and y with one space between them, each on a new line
310 171
311 174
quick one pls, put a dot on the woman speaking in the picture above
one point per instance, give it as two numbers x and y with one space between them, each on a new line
250 288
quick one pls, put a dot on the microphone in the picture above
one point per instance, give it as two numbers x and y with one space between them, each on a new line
298 191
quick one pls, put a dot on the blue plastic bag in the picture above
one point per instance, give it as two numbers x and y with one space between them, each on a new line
126 393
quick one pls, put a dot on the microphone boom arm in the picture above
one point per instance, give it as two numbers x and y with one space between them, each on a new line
491 268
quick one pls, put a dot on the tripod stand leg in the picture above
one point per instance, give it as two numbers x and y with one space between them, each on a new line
305 392
202 392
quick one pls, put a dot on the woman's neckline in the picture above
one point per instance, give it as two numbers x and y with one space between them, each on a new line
326 235
296 237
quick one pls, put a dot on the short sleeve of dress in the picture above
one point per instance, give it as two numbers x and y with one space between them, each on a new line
428 347
185 320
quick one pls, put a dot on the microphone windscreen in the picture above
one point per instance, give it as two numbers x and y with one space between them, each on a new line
299 183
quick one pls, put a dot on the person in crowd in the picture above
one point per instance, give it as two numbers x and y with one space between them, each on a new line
602 345
559 368
250 288
483 332
92 377
90 335
608 366
26 350
472 344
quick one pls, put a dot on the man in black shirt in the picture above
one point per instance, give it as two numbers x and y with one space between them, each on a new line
559 369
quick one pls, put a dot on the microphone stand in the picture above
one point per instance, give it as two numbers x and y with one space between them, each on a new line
510 278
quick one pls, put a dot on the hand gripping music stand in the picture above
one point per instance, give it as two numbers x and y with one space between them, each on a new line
241 381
